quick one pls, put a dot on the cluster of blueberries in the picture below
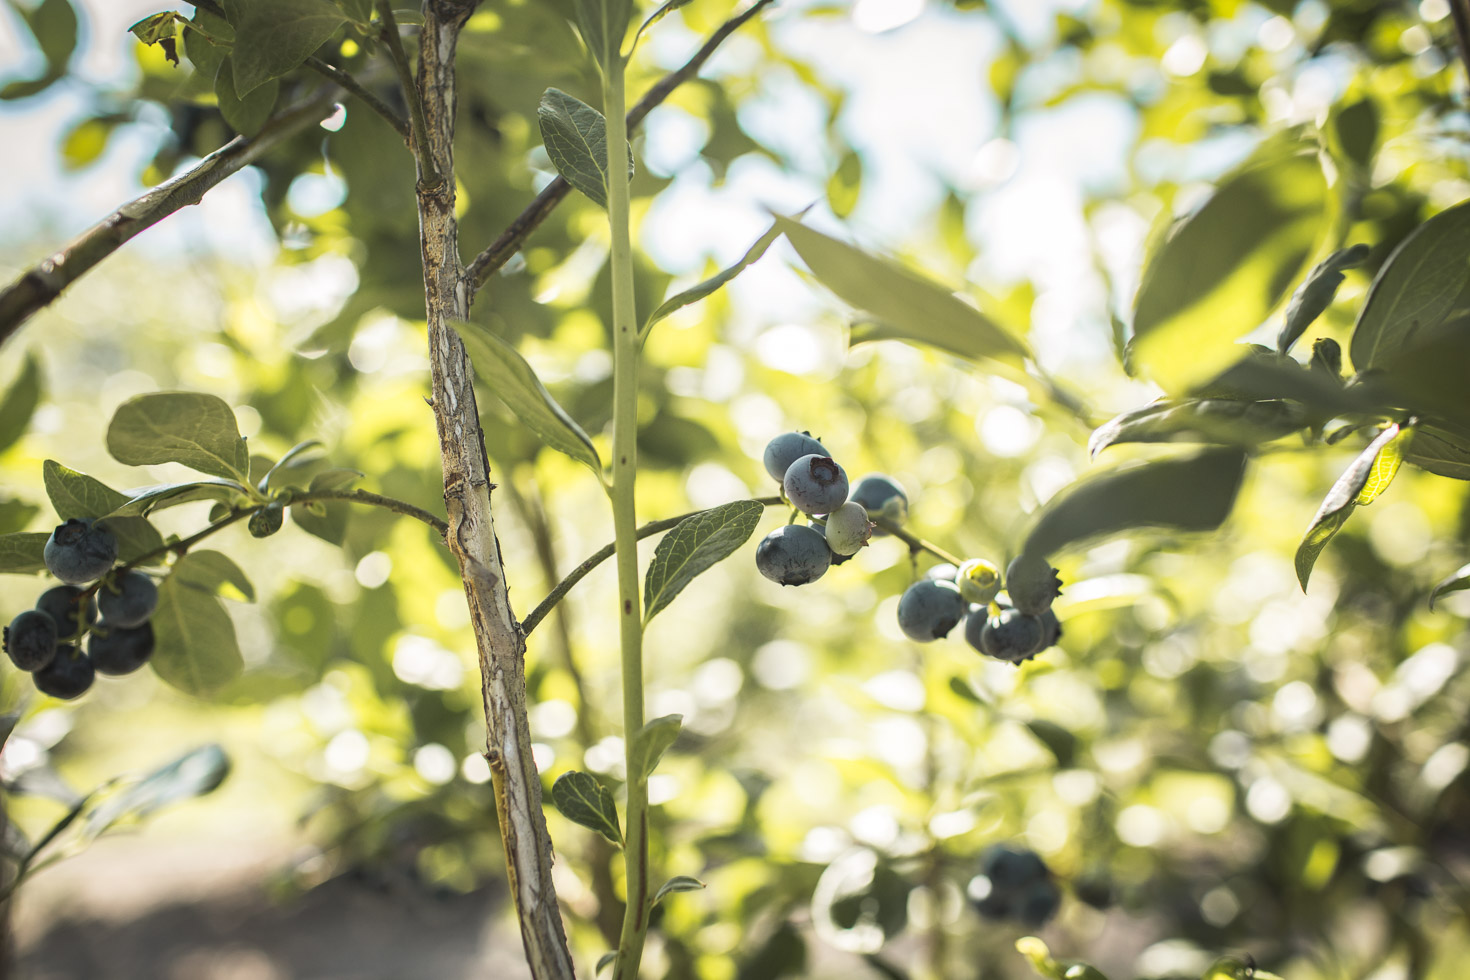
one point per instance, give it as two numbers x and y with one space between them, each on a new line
1014 883
47 641
1014 625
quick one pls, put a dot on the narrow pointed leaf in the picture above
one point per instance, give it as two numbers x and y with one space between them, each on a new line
699 291
604 961
19 402
603 24
196 650
678 883
1458 582
1339 503
575 135
651 742
188 427
1208 420
193 774
335 478
583 799
505 372
211 571
1192 493
1385 467
289 459
1441 451
22 553
1315 293
694 546
146 500
76 494
909 306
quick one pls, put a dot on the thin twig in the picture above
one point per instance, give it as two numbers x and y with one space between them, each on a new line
376 500
420 126
342 78
510 241
42 283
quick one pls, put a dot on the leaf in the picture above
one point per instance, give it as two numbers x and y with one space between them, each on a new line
909 306
160 29
53 25
322 519
575 135
1339 503
335 478
135 537
678 883
145 500
604 961
651 742
506 373
1210 420
1191 493
75 494
195 647
16 514
245 114
195 773
273 37
1416 287
19 403
1061 742
1269 376
1385 467
694 546
208 571
845 184
603 24
186 427
1458 582
1441 452
291 458
699 291
1426 375
206 43
584 800
1222 270
963 690
23 553
1315 294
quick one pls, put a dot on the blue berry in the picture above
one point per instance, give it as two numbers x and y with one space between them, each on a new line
1011 868
786 449
882 497
1051 629
66 607
815 484
793 555
1036 906
1010 635
128 600
1032 584
30 639
115 650
80 551
848 529
930 609
66 677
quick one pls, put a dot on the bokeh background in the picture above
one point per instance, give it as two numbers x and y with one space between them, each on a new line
1211 761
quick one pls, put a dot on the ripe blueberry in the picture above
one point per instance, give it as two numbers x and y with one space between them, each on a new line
793 555
128 600
1011 868
80 551
66 677
1051 629
1032 584
67 609
815 484
119 650
1010 635
786 449
928 610
1037 904
266 521
979 580
30 639
848 529
882 497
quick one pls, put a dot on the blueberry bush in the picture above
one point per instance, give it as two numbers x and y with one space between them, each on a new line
945 696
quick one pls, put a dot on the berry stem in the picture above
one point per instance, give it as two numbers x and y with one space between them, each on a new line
916 544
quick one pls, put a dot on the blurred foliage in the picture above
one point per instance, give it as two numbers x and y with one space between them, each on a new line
1211 762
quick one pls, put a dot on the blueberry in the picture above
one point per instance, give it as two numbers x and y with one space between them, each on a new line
66 677
1012 868
815 484
1051 629
128 600
266 521
786 449
883 498
30 639
928 610
793 555
1037 904
994 906
67 609
116 650
979 580
80 551
1032 584
837 557
1010 635
848 529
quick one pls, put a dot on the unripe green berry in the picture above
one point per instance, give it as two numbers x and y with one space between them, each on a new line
266 521
979 580
848 528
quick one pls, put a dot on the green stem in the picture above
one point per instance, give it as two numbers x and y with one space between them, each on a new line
417 121
625 531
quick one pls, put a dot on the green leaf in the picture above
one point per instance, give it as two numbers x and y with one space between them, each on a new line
207 42
583 799
845 184
604 961
1385 467
1339 503
1222 270
909 306
160 29
1441 452
1191 493
19 403
23 553
1209 420
195 773
1316 293
359 11
53 25
963 690
506 373
694 546
1416 288
699 291
1268 376
75 494
135 537
196 650
1458 582
322 519
15 514
145 500
210 571
678 883
575 135
1426 375
651 742
291 459
272 37
1062 743
603 24
335 478
186 427
247 114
